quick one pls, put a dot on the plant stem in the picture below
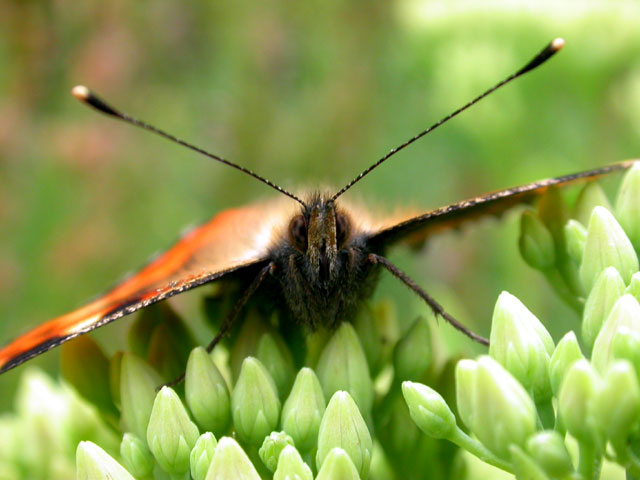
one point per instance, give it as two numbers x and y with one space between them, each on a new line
467 443
588 464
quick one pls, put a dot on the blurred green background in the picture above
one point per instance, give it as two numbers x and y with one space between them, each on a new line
307 94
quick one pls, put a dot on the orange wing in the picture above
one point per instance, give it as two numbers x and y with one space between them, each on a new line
233 240
416 228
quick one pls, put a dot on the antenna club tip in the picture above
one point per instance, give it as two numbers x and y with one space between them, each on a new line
557 44
80 92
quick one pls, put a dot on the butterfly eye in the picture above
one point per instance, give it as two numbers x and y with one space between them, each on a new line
298 233
343 227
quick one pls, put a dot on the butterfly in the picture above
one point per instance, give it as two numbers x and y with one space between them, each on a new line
318 257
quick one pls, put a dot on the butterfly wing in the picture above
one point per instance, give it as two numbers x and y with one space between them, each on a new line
417 228
233 241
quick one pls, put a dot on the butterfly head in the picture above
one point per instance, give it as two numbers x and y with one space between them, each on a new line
319 232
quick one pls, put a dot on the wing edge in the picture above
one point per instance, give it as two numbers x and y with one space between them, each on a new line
122 310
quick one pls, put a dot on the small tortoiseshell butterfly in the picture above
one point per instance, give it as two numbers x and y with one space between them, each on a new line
317 255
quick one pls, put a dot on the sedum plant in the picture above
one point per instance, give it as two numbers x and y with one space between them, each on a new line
367 403
529 404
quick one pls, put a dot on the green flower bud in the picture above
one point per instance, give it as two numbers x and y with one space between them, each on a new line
230 461
343 426
138 382
616 406
12 434
524 466
402 438
136 455
522 345
607 246
628 205
429 410
276 358
567 352
466 371
609 287
142 328
554 214
343 366
370 338
160 336
303 410
206 392
291 466
536 243
338 464
502 412
576 238
115 368
553 211
625 313
576 395
384 324
634 286
79 420
93 463
169 340
549 451
246 343
49 420
171 435
413 354
255 406
163 355
85 366
314 345
272 447
39 402
590 197
626 346
202 455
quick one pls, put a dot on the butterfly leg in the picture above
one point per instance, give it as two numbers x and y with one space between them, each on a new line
233 314
435 306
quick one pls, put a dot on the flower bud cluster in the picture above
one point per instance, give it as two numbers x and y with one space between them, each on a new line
574 248
519 401
271 422
515 400
267 421
375 399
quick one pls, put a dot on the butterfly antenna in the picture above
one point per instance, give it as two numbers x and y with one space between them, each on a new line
85 95
538 60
